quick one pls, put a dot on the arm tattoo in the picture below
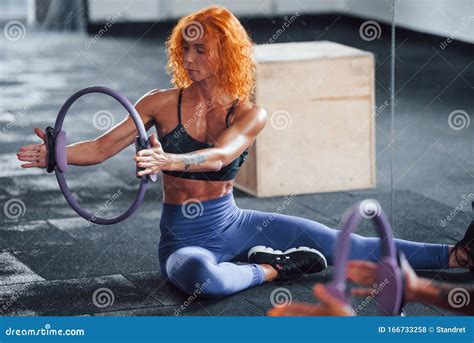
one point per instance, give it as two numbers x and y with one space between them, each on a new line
195 159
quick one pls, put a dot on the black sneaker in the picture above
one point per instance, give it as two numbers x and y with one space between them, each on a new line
291 264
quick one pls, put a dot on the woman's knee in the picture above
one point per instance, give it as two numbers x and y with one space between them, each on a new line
193 271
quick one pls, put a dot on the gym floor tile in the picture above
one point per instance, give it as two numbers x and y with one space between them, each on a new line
216 308
91 259
147 229
157 286
73 296
31 235
13 270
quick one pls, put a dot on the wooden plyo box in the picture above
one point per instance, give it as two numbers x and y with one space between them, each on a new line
320 133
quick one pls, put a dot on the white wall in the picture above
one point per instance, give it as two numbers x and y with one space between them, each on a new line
309 6
441 17
13 9
136 10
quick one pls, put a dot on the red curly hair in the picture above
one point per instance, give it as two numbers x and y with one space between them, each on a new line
229 45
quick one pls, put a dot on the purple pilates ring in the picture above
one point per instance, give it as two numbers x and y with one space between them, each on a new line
390 281
57 158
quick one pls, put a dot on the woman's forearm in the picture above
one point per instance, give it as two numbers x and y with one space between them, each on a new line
84 153
200 160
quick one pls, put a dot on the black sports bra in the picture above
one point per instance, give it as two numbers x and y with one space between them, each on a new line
178 141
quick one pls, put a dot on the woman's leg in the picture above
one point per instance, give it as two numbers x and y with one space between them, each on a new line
193 253
282 232
195 270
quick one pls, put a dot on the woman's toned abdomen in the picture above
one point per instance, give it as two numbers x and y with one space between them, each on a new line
178 190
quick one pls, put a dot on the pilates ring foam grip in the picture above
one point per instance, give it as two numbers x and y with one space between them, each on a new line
50 160
390 298
57 157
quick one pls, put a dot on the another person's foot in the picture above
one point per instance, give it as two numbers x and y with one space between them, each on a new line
290 264
463 251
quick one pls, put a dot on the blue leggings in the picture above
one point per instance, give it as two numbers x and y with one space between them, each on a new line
203 246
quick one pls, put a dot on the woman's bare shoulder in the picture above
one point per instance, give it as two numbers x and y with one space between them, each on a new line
159 101
249 109
161 96
251 115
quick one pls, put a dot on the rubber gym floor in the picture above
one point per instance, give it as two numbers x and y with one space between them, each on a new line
52 262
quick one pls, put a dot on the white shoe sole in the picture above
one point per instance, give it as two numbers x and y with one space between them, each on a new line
268 250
